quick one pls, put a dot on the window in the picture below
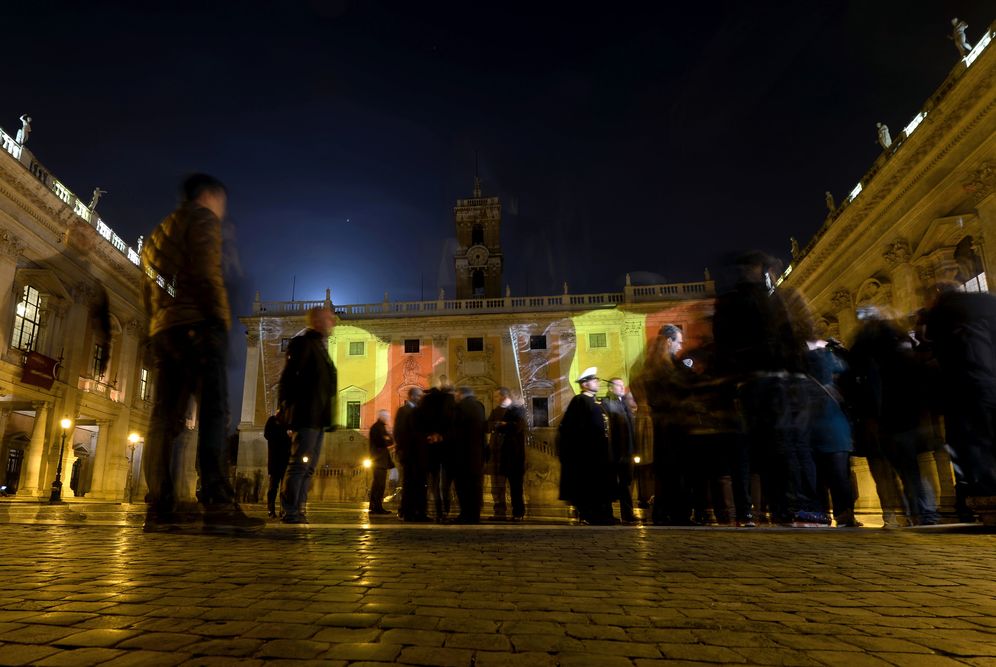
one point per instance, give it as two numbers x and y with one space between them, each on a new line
537 342
99 361
477 235
27 319
475 345
356 349
541 411
143 384
596 340
411 345
284 343
352 414
477 283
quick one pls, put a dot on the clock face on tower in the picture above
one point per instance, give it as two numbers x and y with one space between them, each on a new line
477 255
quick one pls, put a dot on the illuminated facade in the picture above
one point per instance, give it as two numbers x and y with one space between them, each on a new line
60 264
924 212
534 345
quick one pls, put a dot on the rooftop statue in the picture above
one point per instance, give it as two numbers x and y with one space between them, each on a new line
22 134
831 204
884 138
96 198
796 251
958 37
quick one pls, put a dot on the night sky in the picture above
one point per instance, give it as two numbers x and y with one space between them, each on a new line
647 138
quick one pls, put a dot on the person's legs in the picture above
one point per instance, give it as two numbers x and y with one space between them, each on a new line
276 477
625 492
211 346
515 490
919 494
173 388
377 490
305 451
498 495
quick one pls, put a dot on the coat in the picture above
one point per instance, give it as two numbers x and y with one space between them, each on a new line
380 440
185 250
587 475
469 436
278 445
308 383
512 427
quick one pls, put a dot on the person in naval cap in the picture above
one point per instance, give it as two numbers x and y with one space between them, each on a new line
587 477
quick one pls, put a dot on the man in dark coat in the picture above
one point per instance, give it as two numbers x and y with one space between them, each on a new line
411 448
469 441
380 461
278 446
307 391
507 463
587 476
621 431
962 328
434 422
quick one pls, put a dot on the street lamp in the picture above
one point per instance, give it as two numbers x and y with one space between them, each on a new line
133 439
56 496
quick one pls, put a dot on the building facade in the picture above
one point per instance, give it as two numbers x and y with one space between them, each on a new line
71 326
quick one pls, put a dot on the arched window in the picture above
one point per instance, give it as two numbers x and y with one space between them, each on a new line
477 283
477 235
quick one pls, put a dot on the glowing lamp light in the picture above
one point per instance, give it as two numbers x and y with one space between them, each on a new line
304 459
636 459
133 438
367 463
66 423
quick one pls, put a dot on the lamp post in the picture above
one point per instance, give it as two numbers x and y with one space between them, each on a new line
56 496
133 439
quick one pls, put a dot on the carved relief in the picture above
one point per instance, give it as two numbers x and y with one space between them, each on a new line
632 328
898 252
84 293
10 245
841 300
439 341
252 338
982 182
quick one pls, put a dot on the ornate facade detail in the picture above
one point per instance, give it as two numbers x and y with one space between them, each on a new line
632 328
133 327
841 300
568 337
439 341
10 245
84 293
982 182
898 252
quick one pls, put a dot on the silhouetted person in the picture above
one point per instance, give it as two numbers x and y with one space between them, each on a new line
380 461
469 442
307 391
511 463
621 431
962 328
495 453
278 447
434 419
411 449
188 333
587 473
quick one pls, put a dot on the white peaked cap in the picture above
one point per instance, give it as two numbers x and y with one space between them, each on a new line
588 374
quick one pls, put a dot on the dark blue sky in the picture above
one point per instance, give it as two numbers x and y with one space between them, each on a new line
622 137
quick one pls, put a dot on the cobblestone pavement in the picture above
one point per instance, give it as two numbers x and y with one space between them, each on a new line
80 592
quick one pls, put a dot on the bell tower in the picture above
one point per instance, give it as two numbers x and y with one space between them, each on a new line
478 258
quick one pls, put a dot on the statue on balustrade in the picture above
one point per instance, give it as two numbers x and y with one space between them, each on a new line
831 204
25 131
958 37
97 192
884 138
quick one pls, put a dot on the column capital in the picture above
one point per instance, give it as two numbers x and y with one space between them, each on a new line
898 252
982 182
10 245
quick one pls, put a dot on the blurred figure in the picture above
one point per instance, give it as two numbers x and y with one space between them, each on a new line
469 443
278 446
962 328
434 419
189 340
758 343
507 463
893 409
307 391
412 454
830 432
381 444
587 474
621 431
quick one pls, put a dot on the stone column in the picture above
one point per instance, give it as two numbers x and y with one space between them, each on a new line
36 453
847 321
10 248
904 278
251 382
106 467
633 345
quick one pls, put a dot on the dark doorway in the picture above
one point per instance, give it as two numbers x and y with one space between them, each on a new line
15 457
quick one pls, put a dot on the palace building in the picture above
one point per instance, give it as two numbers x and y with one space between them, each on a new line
71 322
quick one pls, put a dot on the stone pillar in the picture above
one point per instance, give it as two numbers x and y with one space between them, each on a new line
633 345
110 458
847 321
32 485
10 248
128 362
904 278
251 382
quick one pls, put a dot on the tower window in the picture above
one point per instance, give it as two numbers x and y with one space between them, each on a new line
477 235
27 319
475 345
477 284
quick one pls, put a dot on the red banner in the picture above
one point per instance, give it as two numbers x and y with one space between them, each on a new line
39 370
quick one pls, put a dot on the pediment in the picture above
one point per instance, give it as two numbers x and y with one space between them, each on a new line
44 280
945 233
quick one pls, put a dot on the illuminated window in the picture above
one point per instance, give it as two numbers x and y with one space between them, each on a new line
99 360
352 414
541 411
475 345
411 345
143 384
597 340
356 348
537 342
27 319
